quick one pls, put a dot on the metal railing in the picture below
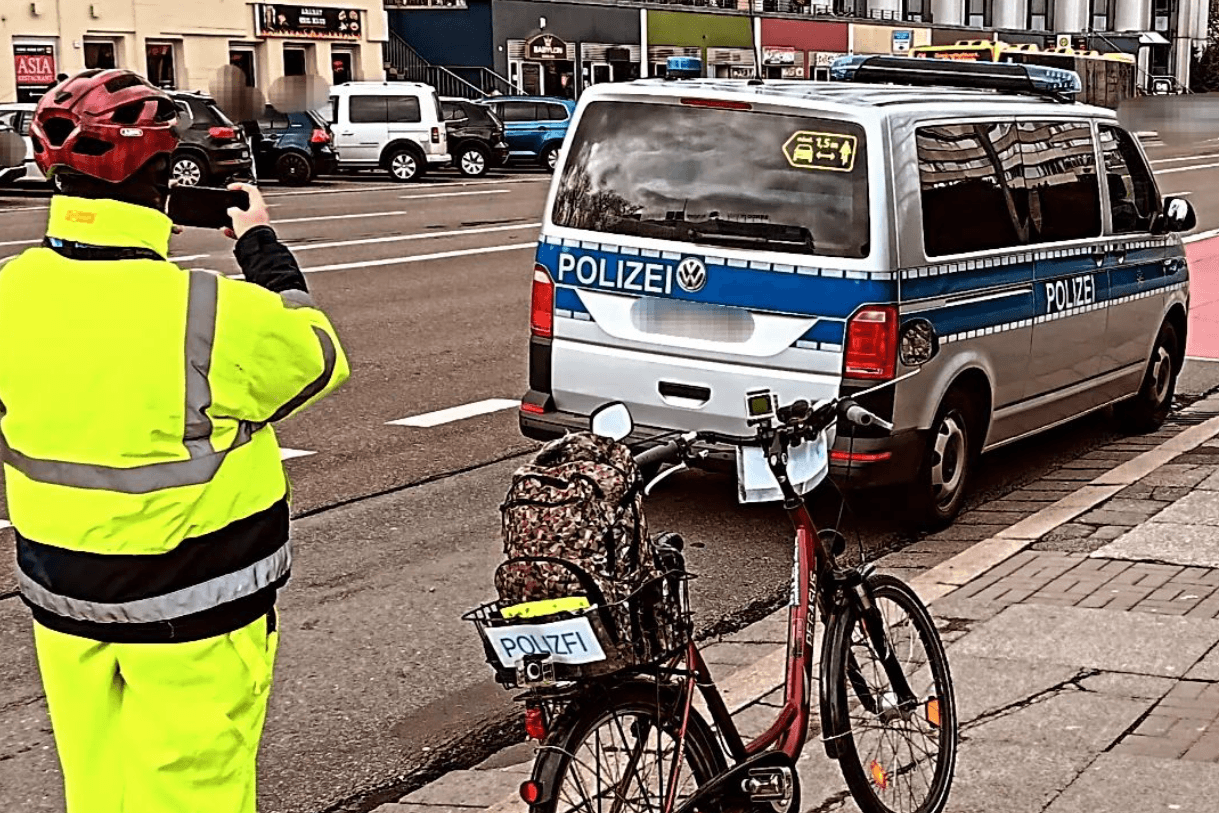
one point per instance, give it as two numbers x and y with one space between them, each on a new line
486 80
405 63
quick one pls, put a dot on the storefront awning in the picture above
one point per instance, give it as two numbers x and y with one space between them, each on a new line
1152 38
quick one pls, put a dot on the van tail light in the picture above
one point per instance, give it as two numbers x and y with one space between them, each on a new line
222 133
872 343
319 136
541 313
435 135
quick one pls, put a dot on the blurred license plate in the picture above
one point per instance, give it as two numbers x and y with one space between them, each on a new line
569 641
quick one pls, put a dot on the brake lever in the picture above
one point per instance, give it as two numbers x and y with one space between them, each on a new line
663 475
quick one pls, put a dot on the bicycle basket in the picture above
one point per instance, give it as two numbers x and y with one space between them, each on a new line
647 627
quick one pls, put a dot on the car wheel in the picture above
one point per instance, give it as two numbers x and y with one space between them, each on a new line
473 160
405 165
939 492
188 171
1148 410
550 157
293 169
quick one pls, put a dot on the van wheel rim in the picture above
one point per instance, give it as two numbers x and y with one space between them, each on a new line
473 163
948 460
1161 373
404 166
187 173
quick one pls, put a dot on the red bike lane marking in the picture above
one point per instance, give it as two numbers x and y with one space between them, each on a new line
1203 341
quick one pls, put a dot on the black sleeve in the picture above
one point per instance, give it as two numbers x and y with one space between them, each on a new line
267 262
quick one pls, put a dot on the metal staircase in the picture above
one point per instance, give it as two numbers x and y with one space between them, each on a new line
403 63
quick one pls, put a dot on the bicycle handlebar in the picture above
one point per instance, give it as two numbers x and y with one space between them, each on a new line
799 420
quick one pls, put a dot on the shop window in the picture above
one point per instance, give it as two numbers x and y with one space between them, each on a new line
1060 175
972 190
1040 13
244 60
1133 202
160 60
99 55
1101 14
978 13
294 62
340 66
916 11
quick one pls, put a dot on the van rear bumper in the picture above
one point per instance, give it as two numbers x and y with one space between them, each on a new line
905 449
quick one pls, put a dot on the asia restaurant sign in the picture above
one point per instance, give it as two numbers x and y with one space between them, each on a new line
544 47
35 65
312 22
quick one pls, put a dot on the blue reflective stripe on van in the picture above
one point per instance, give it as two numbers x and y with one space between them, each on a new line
826 331
568 300
784 289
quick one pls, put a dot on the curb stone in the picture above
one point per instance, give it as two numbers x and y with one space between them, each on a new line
752 683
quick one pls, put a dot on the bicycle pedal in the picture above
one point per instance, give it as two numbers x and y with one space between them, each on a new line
776 785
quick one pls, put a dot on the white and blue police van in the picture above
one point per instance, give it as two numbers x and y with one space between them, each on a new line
996 254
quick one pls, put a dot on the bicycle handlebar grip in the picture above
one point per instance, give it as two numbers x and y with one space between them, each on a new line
862 417
666 453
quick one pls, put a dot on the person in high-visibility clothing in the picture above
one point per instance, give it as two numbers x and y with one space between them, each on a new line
144 479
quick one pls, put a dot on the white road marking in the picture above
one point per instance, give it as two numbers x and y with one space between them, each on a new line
26 209
19 242
1202 235
288 454
457 413
1178 194
1202 358
340 217
4 523
401 187
1186 169
456 194
398 238
1184 158
418 258
189 258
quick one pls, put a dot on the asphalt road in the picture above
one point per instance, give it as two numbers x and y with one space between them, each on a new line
397 530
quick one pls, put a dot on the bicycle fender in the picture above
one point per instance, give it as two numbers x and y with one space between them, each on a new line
828 666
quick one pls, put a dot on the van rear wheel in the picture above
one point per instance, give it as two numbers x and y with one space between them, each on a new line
943 478
1148 410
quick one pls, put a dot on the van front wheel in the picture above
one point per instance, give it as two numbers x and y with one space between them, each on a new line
1148 410
943 478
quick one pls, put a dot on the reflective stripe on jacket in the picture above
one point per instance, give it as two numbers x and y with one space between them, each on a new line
143 477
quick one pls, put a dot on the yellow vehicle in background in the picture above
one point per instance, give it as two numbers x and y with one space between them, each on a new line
1108 79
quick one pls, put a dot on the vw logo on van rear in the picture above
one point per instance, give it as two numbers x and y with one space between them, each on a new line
691 275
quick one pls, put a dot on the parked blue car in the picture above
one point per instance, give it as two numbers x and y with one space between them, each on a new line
534 126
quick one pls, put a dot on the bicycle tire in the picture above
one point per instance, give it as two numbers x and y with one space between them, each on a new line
870 783
617 707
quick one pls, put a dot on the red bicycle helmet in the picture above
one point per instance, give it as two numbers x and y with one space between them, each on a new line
103 123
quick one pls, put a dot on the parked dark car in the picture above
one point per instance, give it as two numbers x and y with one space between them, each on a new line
213 149
476 137
294 148
534 126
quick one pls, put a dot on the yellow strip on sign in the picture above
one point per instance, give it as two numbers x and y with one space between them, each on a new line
549 606
830 152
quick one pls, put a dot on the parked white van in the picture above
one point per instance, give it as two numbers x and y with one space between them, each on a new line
395 126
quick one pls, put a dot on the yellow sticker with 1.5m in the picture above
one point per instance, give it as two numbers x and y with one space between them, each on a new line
831 152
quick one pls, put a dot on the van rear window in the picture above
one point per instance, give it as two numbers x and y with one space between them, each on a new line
718 176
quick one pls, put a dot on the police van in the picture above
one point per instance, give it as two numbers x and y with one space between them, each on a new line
997 255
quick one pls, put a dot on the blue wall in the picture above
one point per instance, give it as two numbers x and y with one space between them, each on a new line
459 37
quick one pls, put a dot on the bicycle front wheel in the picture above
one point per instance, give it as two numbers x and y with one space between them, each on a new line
896 757
615 752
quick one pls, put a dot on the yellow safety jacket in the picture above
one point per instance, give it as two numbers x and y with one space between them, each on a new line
143 477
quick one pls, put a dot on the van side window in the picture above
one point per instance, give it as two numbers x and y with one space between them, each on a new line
367 109
1063 186
404 110
1133 200
972 189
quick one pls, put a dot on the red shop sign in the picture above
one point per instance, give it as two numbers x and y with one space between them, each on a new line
35 65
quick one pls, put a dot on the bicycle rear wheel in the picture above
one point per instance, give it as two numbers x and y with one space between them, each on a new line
895 758
614 751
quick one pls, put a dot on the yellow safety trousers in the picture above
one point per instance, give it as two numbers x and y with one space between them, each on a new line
159 728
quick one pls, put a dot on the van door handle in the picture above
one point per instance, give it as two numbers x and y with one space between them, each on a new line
684 392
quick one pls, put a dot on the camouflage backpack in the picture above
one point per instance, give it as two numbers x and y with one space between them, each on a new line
573 525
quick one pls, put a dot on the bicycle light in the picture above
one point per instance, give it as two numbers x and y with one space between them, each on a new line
535 724
531 791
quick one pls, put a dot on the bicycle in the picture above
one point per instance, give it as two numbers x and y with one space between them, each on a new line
632 740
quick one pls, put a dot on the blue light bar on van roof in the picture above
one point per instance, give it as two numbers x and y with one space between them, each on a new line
683 67
1002 76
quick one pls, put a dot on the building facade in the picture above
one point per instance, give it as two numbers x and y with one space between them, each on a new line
181 45
561 48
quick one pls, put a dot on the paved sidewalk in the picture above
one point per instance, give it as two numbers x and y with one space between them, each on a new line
1081 615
